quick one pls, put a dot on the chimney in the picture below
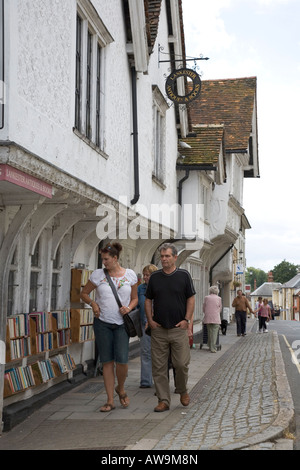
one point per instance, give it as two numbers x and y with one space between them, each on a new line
254 286
270 276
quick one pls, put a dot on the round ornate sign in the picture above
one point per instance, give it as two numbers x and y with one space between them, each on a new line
171 88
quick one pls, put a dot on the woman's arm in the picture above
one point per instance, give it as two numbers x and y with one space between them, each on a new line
133 301
86 290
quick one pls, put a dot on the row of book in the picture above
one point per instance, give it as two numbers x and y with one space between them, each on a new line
63 337
85 275
86 333
62 319
18 379
20 348
44 342
65 362
18 325
86 316
43 321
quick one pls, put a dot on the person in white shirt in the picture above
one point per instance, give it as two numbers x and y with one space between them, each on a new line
110 334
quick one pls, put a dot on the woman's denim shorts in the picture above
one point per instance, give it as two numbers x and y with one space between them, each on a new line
112 342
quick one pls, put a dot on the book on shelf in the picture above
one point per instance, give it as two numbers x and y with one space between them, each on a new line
65 362
62 319
86 333
18 325
79 278
20 347
44 342
43 321
18 379
86 316
63 337
85 276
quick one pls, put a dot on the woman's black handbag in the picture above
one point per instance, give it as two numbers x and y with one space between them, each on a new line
132 320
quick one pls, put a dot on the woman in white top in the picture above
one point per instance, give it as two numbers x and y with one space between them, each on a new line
110 334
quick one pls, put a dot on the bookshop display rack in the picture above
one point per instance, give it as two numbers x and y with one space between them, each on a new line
37 343
36 349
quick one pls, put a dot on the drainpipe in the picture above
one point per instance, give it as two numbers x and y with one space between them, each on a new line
135 138
180 184
187 174
217 262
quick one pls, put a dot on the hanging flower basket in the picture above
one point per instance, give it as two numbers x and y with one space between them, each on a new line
236 284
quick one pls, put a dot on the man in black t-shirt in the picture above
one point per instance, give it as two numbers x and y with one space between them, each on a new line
171 292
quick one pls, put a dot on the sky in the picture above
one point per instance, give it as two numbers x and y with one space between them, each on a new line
261 38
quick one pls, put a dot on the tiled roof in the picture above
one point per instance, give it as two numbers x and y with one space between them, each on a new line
206 146
230 102
266 289
293 283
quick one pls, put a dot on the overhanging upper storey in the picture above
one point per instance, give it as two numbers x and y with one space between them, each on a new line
142 20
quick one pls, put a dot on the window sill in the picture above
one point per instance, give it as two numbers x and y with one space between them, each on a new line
90 143
159 182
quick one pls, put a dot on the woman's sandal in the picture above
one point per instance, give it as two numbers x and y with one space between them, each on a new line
122 397
107 407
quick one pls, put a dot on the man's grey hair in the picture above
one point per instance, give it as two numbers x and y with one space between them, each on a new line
166 246
213 290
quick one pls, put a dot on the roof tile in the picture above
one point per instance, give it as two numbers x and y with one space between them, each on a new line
231 102
206 146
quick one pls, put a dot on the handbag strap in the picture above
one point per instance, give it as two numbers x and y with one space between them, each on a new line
113 288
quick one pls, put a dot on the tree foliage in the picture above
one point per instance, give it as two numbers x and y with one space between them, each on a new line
255 274
284 271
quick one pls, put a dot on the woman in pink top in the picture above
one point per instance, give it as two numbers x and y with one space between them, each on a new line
212 316
264 313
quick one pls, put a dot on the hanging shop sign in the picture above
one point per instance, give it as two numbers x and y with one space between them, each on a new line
171 86
17 177
239 269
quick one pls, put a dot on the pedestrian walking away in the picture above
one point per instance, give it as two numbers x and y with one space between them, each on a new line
212 306
264 315
110 335
258 304
173 295
145 340
241 305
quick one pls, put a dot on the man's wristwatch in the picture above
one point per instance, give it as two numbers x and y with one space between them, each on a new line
188 321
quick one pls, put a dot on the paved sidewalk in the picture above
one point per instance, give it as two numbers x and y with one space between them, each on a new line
240 399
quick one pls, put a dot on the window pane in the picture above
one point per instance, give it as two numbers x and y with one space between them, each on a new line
88 131
98 96
78 74
54 291
10 293
36 255
33 291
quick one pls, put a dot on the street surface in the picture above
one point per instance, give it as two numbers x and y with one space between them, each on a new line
289 339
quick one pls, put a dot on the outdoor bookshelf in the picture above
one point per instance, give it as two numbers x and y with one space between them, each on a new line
79 278
61 324
19 379
30 338
18 341
82 325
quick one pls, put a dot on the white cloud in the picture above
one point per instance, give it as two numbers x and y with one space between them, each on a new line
206 29
260 38
273 2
